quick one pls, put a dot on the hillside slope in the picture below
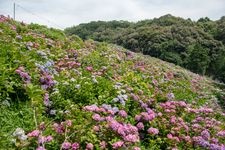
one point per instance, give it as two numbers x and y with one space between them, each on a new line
60 92
197 46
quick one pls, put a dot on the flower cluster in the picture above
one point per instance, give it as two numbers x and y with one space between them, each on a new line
128 132
89 68
20 134
47 67
47 102
145 116
121 98
153 131
38 135
3 18
140 65
67 63
118 145
42 54
24 75
30 45
105 108
46 81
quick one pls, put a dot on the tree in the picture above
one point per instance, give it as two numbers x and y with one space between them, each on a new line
198 59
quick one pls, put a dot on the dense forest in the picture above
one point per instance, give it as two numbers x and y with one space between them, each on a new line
195 45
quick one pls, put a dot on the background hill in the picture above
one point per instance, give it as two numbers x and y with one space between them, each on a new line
197 46
60 92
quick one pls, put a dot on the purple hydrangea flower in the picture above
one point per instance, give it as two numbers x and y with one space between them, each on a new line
66 145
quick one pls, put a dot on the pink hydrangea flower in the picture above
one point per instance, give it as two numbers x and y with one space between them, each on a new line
187 139
138 117
169 136
117 145
136 148
103 144
109 118
221 133
25 76
173 120
155 82
48 138
75 146
47 102
68 123
205 134
140 126
34 133
122 113
96 128
42 126
40 148
97 117
89 146
153 131
159 114
148 116
66 145
58 128
134 97
44 139
89 68
131 138
91 108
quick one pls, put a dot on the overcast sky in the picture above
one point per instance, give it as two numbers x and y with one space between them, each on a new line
65 13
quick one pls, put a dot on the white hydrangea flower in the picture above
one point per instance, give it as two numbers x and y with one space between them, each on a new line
18 132
77 86
23 137
72 79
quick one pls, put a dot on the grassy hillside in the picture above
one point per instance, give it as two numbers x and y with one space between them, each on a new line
59 92
197 46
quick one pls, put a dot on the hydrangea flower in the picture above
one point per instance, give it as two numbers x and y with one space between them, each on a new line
89 146
103 144
153 131
47 102
66 145
136 148
40 148
170 96
117 145
205 134
97 117
34 133
45 139
140 126
75 146
122 113
20 134
221 133
96 128
89 68
25 76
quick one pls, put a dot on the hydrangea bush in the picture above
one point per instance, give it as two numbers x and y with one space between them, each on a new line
59 92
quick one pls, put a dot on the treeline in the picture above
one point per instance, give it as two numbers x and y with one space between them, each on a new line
195 45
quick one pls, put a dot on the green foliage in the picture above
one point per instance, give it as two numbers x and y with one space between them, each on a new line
168 38
198 59
51 33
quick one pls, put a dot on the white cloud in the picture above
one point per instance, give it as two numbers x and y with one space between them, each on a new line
66 13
